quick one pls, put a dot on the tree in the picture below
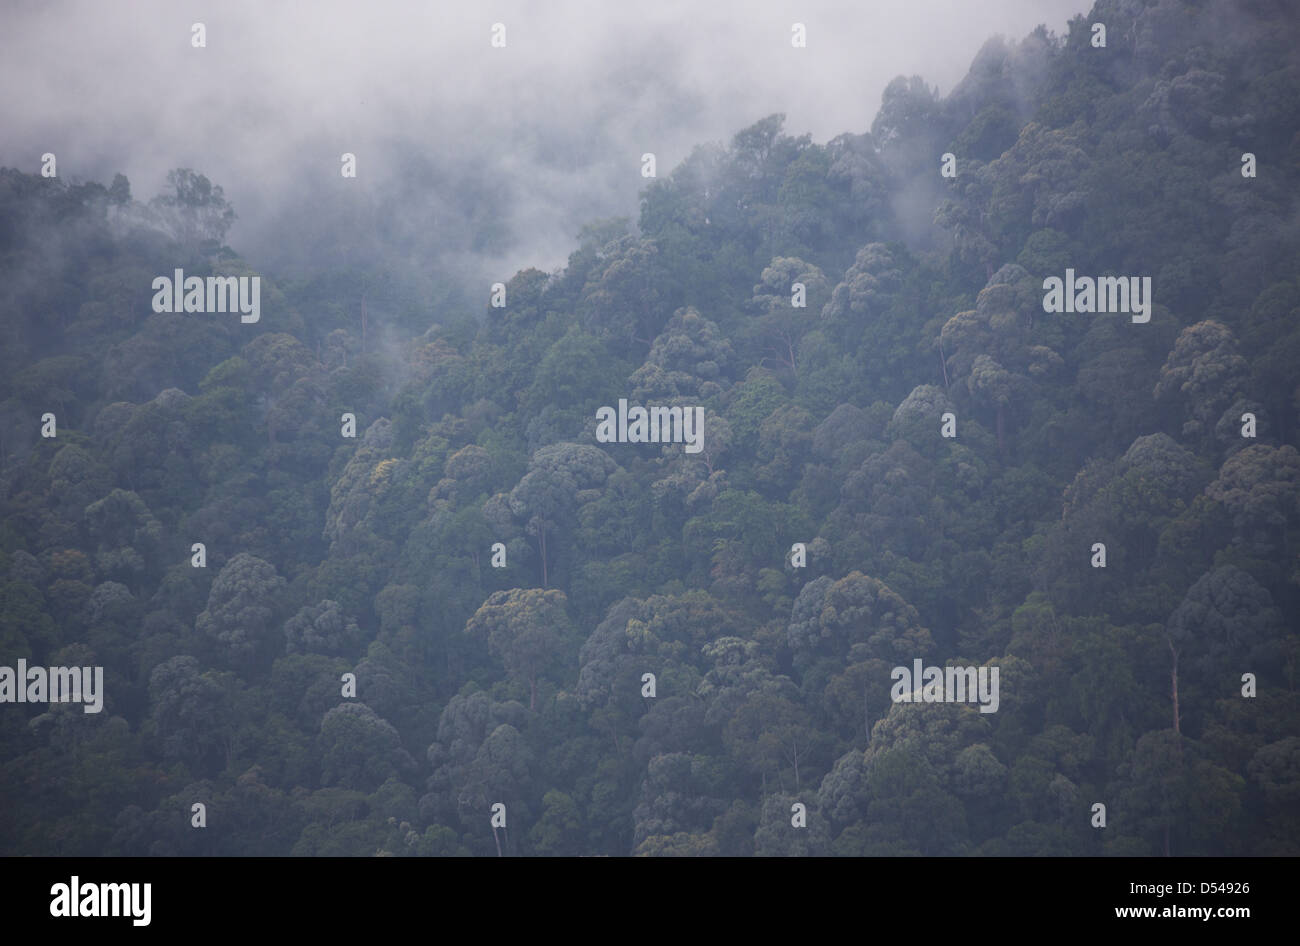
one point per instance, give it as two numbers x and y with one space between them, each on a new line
690 358
1260 488
909 812
193 211
771 729
1176 799
1274 771
560 831
1204 374
575 372
775 836
679 795
857 615
287 383
499 773
129 537
242 607
359 749
1226 620
624 304
869 313
321 628
190 712
356 493
465 723
998 352
547 496
779 324
527 628
76 480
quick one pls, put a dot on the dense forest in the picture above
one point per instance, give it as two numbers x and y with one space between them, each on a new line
498 582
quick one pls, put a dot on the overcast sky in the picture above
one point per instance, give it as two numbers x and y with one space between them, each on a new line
560 117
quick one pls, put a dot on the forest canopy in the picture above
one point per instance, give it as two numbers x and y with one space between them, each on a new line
392 632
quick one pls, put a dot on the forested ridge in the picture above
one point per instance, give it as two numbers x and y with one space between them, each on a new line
523 685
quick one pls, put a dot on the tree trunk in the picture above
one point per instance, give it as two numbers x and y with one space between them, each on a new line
541 535
1178 732
1173 678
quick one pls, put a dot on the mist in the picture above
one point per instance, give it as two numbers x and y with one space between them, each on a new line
536 139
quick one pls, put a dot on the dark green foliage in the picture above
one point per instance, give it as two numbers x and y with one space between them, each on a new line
373 557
